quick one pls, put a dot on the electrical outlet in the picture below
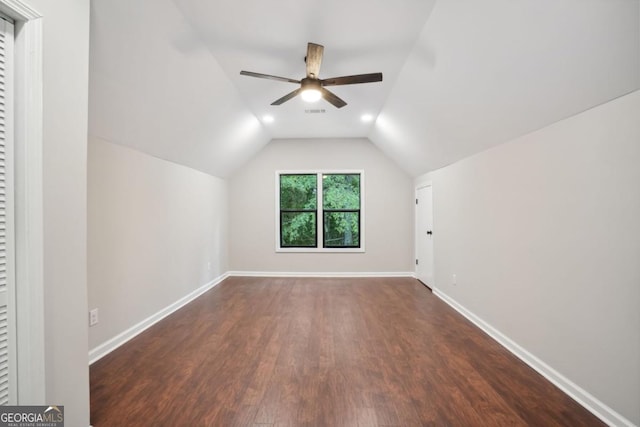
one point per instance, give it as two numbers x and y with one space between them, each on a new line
454 280
209 266
93 317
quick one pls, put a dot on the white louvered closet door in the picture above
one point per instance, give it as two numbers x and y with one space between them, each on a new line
7 262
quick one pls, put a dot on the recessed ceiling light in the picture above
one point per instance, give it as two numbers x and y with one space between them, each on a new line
366 118
267 119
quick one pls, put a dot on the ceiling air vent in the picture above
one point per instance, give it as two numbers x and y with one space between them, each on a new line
315 111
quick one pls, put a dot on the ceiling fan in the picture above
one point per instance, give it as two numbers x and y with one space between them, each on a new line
311 87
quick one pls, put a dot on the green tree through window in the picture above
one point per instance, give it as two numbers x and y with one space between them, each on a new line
298 211
341 210
339 199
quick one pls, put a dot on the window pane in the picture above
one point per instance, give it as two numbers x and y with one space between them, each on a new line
342 229
298 229
298 192
341 191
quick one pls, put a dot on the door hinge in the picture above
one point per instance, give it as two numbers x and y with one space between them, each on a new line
416 201
416 261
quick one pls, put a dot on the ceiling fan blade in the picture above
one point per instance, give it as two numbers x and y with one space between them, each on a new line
287 97
268 76
350 80
314 59
332 98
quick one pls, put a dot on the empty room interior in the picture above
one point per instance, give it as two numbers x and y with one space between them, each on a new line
448 234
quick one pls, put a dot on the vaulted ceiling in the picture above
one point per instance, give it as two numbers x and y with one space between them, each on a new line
460 76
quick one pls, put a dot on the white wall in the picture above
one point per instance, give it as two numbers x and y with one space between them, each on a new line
388 204
152 228
542 234
65 38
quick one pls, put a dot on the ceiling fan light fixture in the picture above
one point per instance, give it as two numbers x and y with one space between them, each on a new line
310 89
311 95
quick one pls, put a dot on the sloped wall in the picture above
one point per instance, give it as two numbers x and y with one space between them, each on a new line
154 86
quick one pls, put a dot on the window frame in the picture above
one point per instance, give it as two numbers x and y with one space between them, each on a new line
320 211
298 211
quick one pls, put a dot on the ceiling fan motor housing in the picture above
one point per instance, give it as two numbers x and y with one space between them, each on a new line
309 83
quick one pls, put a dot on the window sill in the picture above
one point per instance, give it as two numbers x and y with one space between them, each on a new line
320 250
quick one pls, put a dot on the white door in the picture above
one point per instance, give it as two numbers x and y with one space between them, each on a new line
424 235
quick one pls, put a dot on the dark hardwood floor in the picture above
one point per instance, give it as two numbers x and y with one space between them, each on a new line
321 352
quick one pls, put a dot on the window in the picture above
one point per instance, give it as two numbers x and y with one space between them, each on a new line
298 211
319 211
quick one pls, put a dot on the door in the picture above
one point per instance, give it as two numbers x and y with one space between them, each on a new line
424 235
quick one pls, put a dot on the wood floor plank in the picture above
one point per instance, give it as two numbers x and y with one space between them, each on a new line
276 352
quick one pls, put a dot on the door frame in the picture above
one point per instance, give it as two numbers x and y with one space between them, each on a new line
29 210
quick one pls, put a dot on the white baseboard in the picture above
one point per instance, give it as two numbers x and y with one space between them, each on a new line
584 398
320 274
107 347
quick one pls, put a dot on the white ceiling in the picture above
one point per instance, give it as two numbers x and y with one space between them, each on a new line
483 73
360 36
460 76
